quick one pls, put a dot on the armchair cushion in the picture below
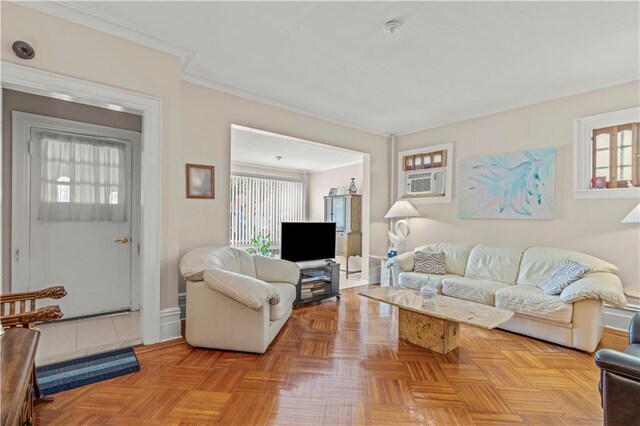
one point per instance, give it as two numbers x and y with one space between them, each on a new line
600 285
479 291
276 270
249 291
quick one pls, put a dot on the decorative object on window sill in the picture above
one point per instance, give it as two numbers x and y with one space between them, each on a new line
633 216
519 185
353 190
405 209
333 191
599 182
201 181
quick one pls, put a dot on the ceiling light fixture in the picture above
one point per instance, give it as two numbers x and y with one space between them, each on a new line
391 26
278 157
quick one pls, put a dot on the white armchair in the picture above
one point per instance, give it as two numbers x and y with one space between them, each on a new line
236 301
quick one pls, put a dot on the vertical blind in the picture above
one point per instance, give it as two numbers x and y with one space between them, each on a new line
260 205
82 178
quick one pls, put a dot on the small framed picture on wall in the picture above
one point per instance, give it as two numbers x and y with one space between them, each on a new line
201 181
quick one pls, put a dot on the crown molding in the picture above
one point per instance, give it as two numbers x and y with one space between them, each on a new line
205 81
539 99
76 13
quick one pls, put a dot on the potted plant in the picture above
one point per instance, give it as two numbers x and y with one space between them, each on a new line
261 244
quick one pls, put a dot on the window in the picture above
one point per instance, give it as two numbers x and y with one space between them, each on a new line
606 155
82 177
260 205
615 157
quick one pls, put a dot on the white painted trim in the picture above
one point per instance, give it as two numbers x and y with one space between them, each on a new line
324 169
582 133
619 318
170 324
448 170
79 14
31 80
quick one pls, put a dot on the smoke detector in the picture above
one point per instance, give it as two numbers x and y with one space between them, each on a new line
278 157
391 26
23 50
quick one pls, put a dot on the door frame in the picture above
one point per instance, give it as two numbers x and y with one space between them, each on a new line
44 83
22 124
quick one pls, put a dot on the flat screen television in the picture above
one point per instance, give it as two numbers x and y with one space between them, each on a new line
302 241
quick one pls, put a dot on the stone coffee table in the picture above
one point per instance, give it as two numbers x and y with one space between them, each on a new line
435 324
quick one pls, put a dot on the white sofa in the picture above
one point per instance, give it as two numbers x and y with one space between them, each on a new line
507 277
236 301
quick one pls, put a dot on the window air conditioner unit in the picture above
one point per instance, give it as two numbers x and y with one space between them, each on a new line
425 183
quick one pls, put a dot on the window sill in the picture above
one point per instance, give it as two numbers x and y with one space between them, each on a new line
428 200
607 194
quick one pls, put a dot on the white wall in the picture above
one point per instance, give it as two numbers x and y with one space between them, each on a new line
590 226
322 181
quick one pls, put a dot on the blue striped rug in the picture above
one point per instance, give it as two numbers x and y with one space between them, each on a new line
83 371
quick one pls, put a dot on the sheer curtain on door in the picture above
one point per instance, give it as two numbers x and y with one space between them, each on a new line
82 178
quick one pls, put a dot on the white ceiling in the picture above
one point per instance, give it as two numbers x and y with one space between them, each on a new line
449 61
261 149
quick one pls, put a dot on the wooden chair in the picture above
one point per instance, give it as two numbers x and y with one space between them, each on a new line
19 310
14 311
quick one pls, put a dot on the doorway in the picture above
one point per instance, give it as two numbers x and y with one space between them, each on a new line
76 213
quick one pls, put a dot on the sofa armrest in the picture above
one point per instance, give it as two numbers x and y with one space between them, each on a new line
403 261
618 363
634 329
276 270
598 285
249 291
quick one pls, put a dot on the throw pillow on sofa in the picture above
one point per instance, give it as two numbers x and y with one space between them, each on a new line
567 273
429 263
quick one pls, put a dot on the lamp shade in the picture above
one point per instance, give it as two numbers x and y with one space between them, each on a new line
632 217
401 208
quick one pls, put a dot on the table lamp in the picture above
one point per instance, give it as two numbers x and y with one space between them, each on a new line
401 208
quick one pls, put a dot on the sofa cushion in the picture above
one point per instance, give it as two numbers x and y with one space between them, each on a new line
196 262
287 293
532 302
417 280
567 273
491 263
473 290
429 263
539 263
456 255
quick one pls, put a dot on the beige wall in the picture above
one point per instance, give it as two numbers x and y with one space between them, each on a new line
25 102
207 116
320 183
77 51
590 226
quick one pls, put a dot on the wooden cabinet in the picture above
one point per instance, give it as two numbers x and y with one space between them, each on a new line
346 212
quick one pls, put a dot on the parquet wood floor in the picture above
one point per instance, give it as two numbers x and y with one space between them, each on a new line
340 363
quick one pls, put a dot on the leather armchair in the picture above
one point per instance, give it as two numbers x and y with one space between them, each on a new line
620 380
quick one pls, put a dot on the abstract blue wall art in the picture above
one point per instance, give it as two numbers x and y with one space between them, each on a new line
519 185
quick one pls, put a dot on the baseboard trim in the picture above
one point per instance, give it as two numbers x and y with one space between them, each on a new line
375 276
170 324
619 318
182 304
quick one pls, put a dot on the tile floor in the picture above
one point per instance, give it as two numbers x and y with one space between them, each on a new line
63 340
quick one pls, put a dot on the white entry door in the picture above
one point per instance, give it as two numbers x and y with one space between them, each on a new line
80 215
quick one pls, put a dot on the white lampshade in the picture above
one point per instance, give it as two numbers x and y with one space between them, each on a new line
633 216
401 208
